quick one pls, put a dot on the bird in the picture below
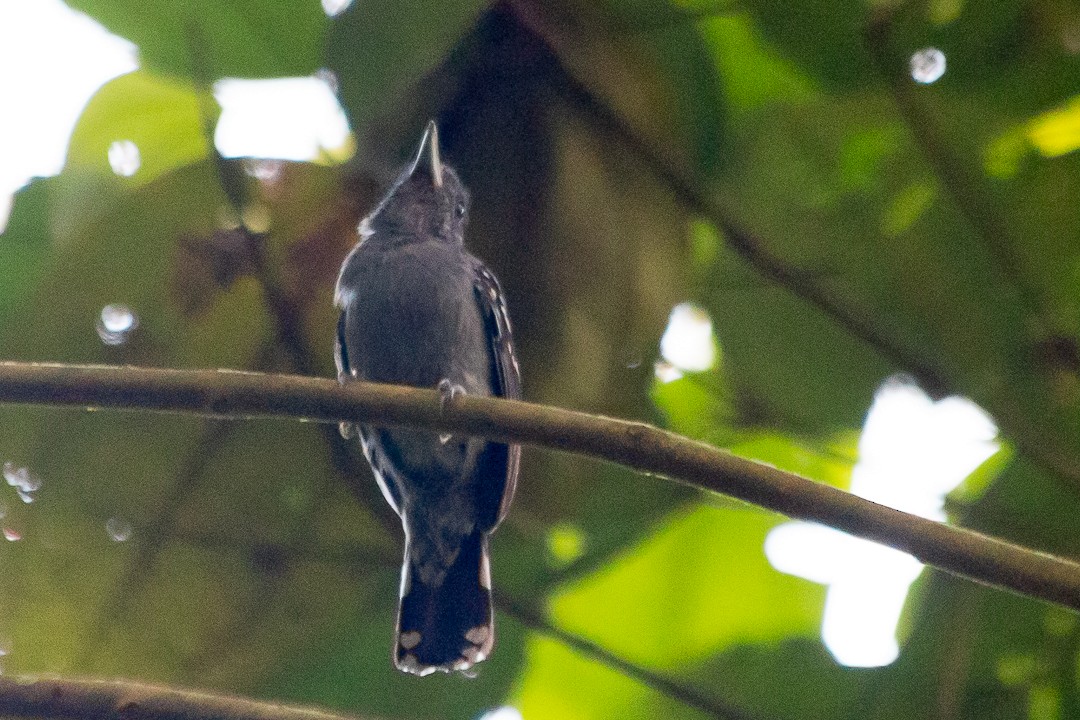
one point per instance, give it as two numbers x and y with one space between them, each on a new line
418 309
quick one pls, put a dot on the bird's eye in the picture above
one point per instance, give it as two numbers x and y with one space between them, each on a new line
459 210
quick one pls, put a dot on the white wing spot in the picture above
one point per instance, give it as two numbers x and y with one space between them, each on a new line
410 639
477 635
410 664
485 572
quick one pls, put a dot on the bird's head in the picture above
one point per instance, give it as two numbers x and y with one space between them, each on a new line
427 201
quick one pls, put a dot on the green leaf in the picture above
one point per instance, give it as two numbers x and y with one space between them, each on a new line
793 678
243 38
754 73
698 585
380 49
24 244
562 684
161 116
823 37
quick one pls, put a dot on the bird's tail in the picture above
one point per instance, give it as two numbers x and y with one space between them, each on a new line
446 625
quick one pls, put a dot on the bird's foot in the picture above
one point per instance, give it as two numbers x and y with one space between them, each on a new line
448 392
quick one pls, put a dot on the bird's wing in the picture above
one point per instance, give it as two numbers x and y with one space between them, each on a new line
374 441
341 354
504 460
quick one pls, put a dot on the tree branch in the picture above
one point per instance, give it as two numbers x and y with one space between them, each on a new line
247 395
63 698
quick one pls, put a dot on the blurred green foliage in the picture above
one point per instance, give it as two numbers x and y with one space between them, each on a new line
772 162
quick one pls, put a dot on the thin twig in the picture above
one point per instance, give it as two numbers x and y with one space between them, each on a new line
972 202
689 696
211 437
751 248
246 395
213 434
69 699
513 608
754 251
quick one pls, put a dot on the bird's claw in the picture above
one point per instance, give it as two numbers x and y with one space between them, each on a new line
347 430
448 391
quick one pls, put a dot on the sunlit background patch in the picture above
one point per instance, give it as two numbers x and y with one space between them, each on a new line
284 118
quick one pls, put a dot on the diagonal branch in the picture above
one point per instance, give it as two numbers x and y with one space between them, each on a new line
533 620
972 201
754 251
748 246
247 395
69 699
523 613
211 437
975 205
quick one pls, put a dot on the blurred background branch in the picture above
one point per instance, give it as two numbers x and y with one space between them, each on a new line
70 699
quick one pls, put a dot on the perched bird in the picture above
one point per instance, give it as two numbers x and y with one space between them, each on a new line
417 309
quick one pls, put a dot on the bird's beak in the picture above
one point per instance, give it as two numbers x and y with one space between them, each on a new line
427 155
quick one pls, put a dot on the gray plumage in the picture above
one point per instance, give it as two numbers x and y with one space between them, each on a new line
418 309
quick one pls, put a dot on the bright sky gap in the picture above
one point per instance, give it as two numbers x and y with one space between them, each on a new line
912 452
283 118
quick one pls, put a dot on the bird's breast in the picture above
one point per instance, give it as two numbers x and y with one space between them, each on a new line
412 318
